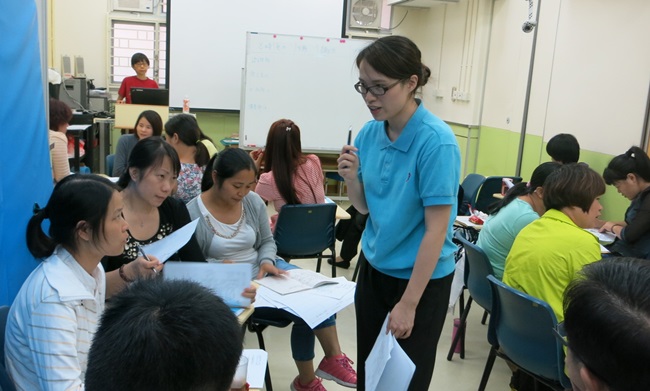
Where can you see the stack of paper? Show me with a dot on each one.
(329, 299)
(295, 280)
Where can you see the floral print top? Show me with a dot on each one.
(189, 181)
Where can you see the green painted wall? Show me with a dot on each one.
(497, 155)
(467, 138)
(484, 150)
(218, 125)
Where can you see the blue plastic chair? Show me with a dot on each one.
(485, 196)
(521, 330)
(5, 381)
(110, 160)
(306, 231)
(471, 185)
(477, 268)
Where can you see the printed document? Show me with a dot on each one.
(387, 366)
(295, 280)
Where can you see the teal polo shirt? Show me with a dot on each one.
(421, 168)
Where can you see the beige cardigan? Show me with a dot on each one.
(59, 155)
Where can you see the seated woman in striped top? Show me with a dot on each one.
(54, 317)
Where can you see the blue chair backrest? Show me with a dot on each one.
(490, 186)
(471, 184)
(523, 326)
(5, 382)
(305, 229)
(477, 268)
(110, 160)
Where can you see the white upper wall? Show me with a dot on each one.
(591, 72)
(79, 28)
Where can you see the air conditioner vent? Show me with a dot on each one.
(145, 6)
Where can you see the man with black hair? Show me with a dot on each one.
(607, 324)
(563, 148)
(165, 335)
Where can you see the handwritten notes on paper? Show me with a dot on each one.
(227, 280)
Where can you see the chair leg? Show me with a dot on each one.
(333, 251)
(488, 368)
(320, 258)
(461, 300)
(460, 333)
(356, 270)
(484, 319)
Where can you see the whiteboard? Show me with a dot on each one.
(207, 42)
(306, 79)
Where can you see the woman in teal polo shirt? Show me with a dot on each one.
(404, 169)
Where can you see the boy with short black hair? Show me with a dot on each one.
(563, 148)
(607, 324)
(165, 335)
(140, 64)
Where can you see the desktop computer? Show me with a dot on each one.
(74, 93)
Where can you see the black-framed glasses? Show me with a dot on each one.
(376, 90)
(560, 333)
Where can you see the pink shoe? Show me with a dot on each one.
(338, 368)
(315, 385)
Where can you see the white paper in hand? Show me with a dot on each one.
(167, 246)
(388, 367)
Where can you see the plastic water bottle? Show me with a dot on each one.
(186, 105)
(453, 335)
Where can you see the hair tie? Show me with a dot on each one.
(527, 184)
(288, 128)
(37, 209)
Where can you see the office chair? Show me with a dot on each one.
(485, 196)
(306, 231)
(6, 384)
(477, 268)
(521, 331)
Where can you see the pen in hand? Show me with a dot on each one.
(349, 141)
(145, 257)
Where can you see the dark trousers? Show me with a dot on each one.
(375, 296)
(349, 233)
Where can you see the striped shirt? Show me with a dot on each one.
(51, 324)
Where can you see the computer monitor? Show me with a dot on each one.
(150, 96)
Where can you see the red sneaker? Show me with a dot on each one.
(315, 385)
(339, 369)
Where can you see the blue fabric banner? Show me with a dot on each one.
(25, 173)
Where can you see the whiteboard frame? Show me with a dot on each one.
(306, 79)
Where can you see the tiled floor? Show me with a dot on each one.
(456, 375)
